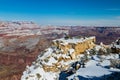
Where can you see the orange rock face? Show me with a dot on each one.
(79, 45)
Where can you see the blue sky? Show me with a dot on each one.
(62, 12)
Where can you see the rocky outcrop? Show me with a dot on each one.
(59, 57)
(79, 45)
(115, 46)
(69, 49)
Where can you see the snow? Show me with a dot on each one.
(95, 58)
(111, 56)
(73, 40)
(47, 53)
(51, 61)
(117, 46)
(33, 76)
(71, 51)
(95, 68)
(92, 70)
(97, 47)
(105, 63)
(114, 44)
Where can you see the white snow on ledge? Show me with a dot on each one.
(91, 70)
(73, 40)
(95, 69)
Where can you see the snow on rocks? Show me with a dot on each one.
(73, 40)
(94, 68)
(54, 62)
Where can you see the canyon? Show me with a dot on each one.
(21, 42)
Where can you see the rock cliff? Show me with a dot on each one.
(57, 58)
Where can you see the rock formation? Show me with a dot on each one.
(115, 46)
(58, 57)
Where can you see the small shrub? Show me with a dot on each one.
(38, 76)
(108, 51)
(26, 78)
(46, 60)
(93, 52)
(101, 52)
